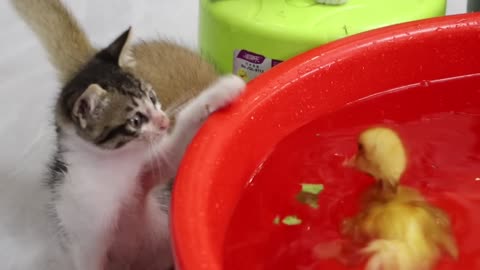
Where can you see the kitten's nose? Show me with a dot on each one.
(161, 121)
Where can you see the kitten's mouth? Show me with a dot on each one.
(163, 123)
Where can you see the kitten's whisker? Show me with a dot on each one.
(169, 164)
(155, 159)
(151, 165)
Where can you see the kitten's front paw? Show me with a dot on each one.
(226, 90)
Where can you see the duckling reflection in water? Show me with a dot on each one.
(396, 227)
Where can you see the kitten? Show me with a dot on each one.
(176, 73)
(110, 123)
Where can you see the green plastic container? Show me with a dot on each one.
(248, 37)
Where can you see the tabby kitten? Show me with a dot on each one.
(110, 125)
(177, 74)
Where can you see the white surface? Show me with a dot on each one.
(27, 82)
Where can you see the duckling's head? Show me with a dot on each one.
(381, 154)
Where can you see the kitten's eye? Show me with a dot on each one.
(153, 98)
(137, 120)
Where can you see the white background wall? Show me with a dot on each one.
(27, 83)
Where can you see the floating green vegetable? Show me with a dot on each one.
(308, 199)
(314, 189)
(309, 194)
(291, 220)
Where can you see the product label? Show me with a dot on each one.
(249, 65)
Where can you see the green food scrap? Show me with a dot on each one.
(314, 189)
(276, 220)
(291, 220)
(308, 199)
(309, 194)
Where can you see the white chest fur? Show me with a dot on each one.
(97, 185)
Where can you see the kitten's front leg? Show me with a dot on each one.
(189, 120)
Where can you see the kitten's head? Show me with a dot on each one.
(107, 106)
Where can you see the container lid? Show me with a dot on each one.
(304, 19)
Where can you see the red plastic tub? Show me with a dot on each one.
(229, 150)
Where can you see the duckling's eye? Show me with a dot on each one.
(360, 147)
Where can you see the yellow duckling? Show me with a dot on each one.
(382, 155)
(400, 230)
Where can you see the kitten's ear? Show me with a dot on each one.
(86, 104)
(120, 50)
